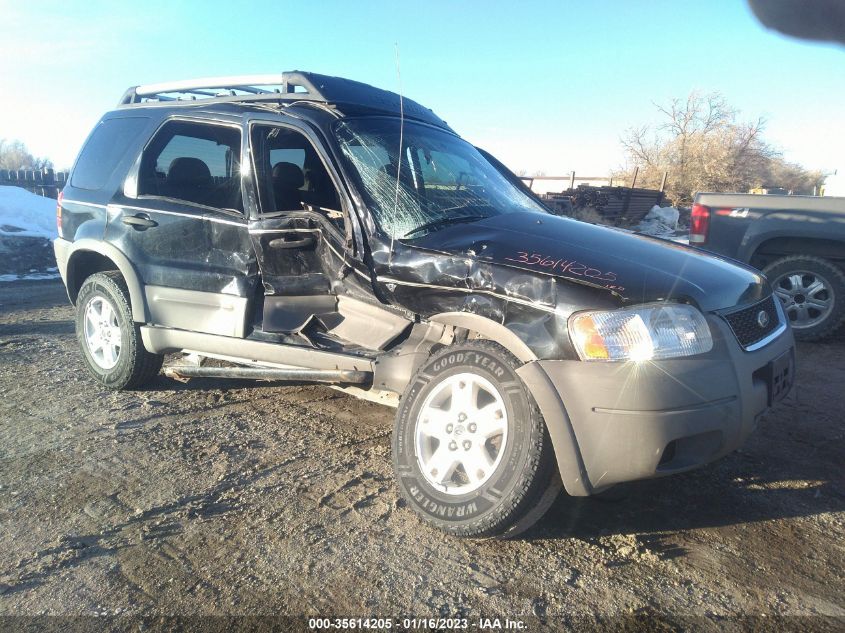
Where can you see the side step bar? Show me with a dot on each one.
(334, 376)
(161, 340)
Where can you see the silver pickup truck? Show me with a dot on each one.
(797, 241)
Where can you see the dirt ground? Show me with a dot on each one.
(258, 499)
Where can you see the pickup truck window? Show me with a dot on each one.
(441, 178)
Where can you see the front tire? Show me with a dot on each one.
(812, 293)
(470, 448)
(110, 340)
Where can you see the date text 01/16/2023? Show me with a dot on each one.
(411, 624)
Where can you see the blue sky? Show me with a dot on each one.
(545, 86)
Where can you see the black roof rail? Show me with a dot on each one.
(287, 86)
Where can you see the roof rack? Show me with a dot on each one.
(283, 85)
(287, 86)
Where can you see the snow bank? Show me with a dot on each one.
(660, 222)
(24, 214)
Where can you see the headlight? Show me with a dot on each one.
(645, 332)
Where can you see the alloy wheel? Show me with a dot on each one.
(461, 433)
(102, 332)
(807, 297)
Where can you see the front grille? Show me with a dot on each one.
(745, 323)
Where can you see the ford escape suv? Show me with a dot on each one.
(314, 229)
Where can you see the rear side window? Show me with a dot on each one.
(194, 162)
(216, 156)
(103, 151)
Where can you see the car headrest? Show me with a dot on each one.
(188, 171)
(288, 175)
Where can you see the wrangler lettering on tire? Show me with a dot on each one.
(470, 448)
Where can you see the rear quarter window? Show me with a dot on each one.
(103, 151)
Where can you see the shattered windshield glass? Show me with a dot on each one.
(442, 180)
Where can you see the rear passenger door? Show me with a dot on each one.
(180, 220)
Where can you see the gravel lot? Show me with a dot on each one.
(237, 498)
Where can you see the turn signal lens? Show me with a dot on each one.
(589, 339)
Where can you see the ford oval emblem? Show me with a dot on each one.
(762, 318)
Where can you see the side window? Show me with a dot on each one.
(106, 146)
(194, 162)
(291, 176)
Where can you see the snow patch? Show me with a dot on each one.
(25, 214)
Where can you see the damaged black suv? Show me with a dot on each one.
(310, 228)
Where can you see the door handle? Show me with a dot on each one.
(302, 242)
(139, 222)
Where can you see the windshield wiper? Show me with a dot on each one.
(458, 219)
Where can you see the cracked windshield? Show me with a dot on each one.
(442, 179)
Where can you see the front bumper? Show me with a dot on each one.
(636, 420)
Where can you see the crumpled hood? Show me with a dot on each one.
(635, 267)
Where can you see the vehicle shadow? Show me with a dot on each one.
(163, 383)
(745, 487)
(37, 328)
(687, 502)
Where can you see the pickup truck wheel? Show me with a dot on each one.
(812, 292)
(470, 448)
(110, 340)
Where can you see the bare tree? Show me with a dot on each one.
(704, 146)
(15, 155)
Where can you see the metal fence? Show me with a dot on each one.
(44, 182)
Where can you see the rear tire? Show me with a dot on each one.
(110, 340)
(470, 448)
(812, 293)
